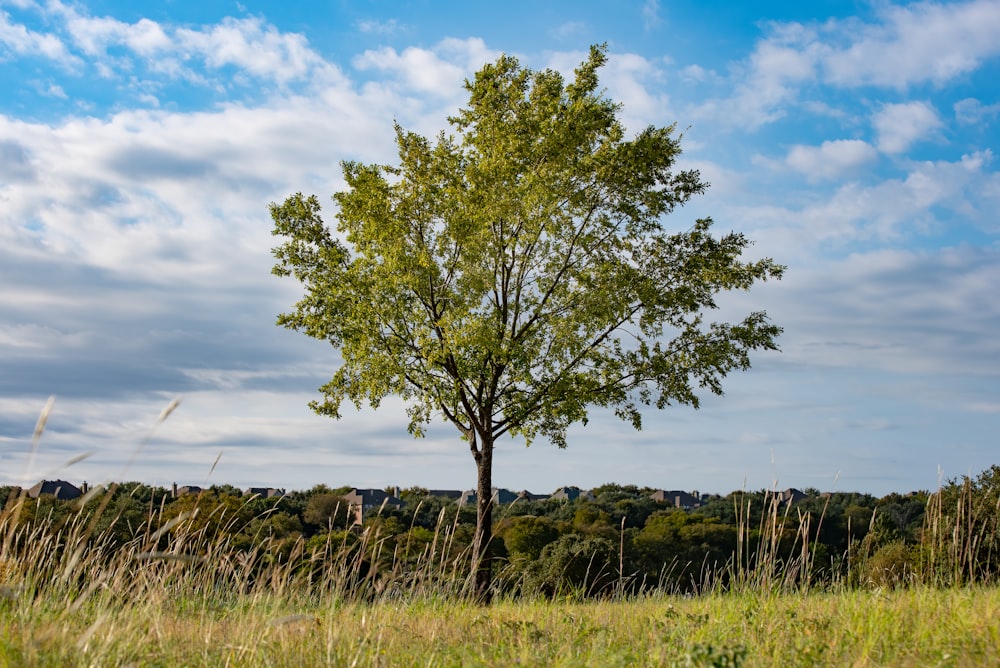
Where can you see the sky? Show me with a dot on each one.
(141, 143)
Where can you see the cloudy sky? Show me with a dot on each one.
(140, 144)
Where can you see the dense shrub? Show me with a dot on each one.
(572, 566)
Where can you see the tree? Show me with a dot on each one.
(574, 564)
(513, 274)
(526, 536)
(680, 551)
(327, 510)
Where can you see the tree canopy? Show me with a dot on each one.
(517, 271)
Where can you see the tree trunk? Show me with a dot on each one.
(482, 559)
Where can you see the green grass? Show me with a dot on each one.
(907, 627)
(180, 595)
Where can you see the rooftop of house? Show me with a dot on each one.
(369, 498)
(57, 488)
(265, 492)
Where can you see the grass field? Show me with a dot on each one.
(173, 597)
(913, 627)
(178, 597)
(174, 594)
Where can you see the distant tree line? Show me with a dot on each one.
(616, 538)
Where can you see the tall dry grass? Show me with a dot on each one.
(175, 592)
(959, 544)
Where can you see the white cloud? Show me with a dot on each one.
(373, 27)
(95, 35)
(439, 71)
(898, 126)
(914, 43)
(769, 80)
(117, 49)
(904, 45)
(901, 208)
(899, 311)
(568, 30)
(698, 73)
(651, 14)
(254, 46)
(25, 338)
(633, 81)
(419, 69)
(781, 58)
(831, 159)
(25, 42)
(933, 202)
(971, 111)
(820, 108)
(151, 193)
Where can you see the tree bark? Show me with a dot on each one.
(482, 559)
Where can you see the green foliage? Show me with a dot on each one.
(962, 536)
(427, 511)
(576, 548)
(327, 510)
(525, 537)
(574, 566)
(590, 519)
(681, 551)
(144, 494)
(120, 520)
(512, 274)
(892, 565)
(901, 515)
(714, 656)
(209, 512)
(8, 494)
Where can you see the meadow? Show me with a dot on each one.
(97, 626)
(180, 596)
(107, 580)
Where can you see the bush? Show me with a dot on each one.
(891, 566)
(575, 566)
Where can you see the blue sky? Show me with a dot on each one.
(140, 145)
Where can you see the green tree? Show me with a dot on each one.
(963, 527)
(574, 565)
(327, 510)
(517, 272)
(683, 551)
(526, 536)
